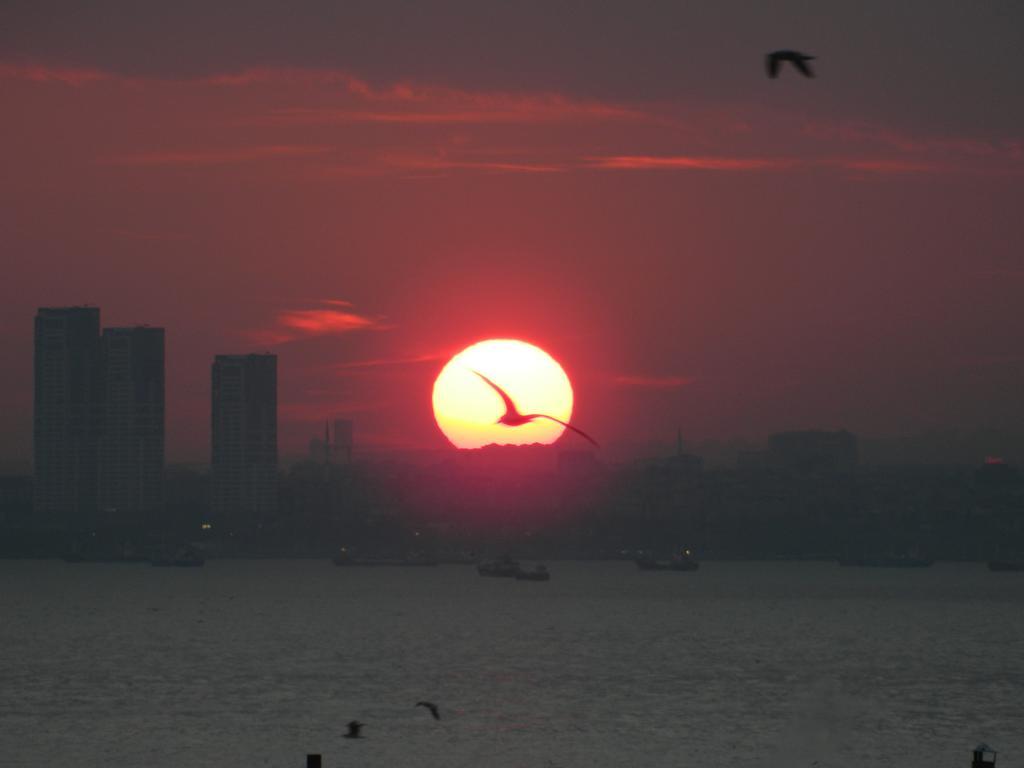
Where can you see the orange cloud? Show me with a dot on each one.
(653, 382)
(288, 115)
(688, 163)
(416, 104)
(454, 110)
(336, 318)
(414, 163)
(301, 76)
(382, 362)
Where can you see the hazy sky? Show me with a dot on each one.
(366, 188)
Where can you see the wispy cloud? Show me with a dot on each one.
(334, 318)
(851, 132)
(444, 163)
(425, 130)
(386, 362)
(425, 104)
(209, 157)
(688, 163)
(39, 73)
(890, 166)
(860, 164)
(479, 111)
(652, 382)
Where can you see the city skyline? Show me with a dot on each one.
(963, 446)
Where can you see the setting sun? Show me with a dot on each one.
(467, 408)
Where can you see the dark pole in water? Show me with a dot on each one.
(312, 761)
(984, 757)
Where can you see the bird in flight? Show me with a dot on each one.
(513, 418)
(799, 60)
(354, 728)
(432, 707)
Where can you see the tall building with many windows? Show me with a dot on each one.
(131, 455)
(244, 438)
(67, 415)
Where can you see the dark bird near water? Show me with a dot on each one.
(799, 60)
(432, 707)
(354, 728)
(513, 418)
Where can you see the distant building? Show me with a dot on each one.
(15, 499)
(341, 448)
(244, 438)
(336, 448)
(995, 471)
(131, 457)
(814, 450)
(749, 460)
(67, 415)
(805, 451)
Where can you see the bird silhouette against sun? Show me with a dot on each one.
(465, 409)
(513, 418)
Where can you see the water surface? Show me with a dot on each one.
(255, 663)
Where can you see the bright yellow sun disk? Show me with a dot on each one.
(467, 409)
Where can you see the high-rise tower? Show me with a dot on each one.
(67, 415)
(244, 438)
(131, 457)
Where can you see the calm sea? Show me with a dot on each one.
(256, 663)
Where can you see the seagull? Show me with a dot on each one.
(432, 707)
(799, 60)
(354, 727)
(513, 418)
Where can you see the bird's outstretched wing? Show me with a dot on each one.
(354, 727)
(432, 707)
(803, 66)
(771, 63)
(579, 432)
(510, 407)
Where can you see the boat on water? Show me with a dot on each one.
(539, 573)
(683, 560)
(886, 561)
(1006, 565)
(504, 567)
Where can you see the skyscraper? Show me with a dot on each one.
(131, 456)
(67, 415)
(244, 432)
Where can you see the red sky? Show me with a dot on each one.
(779, 254)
